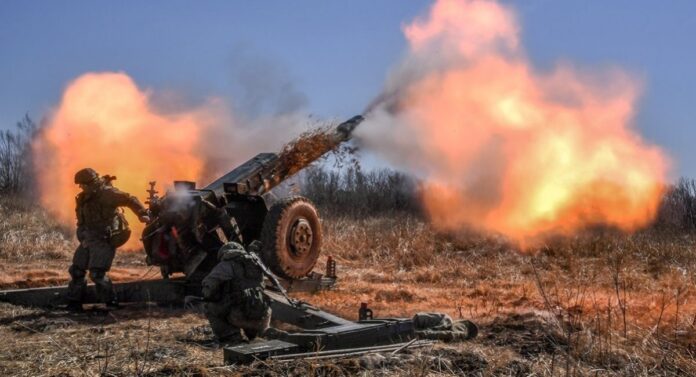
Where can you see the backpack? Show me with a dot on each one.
(254, 303)
(120, 232)
(246, 287)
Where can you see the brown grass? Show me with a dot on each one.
(600, 303)
(28, 233)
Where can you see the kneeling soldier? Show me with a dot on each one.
(234, 296)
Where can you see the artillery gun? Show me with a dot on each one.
(190, 225)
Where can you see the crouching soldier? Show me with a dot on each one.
(234, 296)
(439, 326)
(101, 228)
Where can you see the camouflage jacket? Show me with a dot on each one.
(98, 212)
(235, 272)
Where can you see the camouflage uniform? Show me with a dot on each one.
(439, 326)
(234, 296)
(101, 228)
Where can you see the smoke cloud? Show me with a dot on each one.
(504, 147)
(105, 121)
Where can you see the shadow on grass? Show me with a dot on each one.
(42, 320)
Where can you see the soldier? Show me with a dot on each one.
(234, 296)
(440, 326)
(208, 225)
(101, 227)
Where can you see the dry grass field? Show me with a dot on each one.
(598, 304)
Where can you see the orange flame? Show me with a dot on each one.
(508, 149)
(105, 122)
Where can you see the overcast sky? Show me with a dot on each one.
(330, 57)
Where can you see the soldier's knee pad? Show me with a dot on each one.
(76, 273)
(98, 276)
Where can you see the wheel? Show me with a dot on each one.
(291, 237)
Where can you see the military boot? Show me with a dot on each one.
(232, 340)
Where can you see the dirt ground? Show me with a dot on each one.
(600, 304)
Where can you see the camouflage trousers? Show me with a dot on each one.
(95, 255)
(227, 321)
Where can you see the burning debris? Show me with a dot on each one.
(305, 149)
(313, 144)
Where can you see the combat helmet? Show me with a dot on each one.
(86, 176)
(230, 248)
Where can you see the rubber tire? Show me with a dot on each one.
(275, 236)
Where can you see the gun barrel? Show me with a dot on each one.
(267, 170)
(345, 129)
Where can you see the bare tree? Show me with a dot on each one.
(354, 192)
(678, 207)
(15, 156)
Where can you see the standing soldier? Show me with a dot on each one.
(101, 228)
(234, 296)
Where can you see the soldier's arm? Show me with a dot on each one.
(119, 198)
(226, 223)
(80, 222)
(213, 283)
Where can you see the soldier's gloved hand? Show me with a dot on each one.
(144, 219)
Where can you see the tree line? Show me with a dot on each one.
(16, 158)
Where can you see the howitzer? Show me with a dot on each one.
(316, 329)
(189, 224)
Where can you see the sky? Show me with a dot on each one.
(329, 57)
